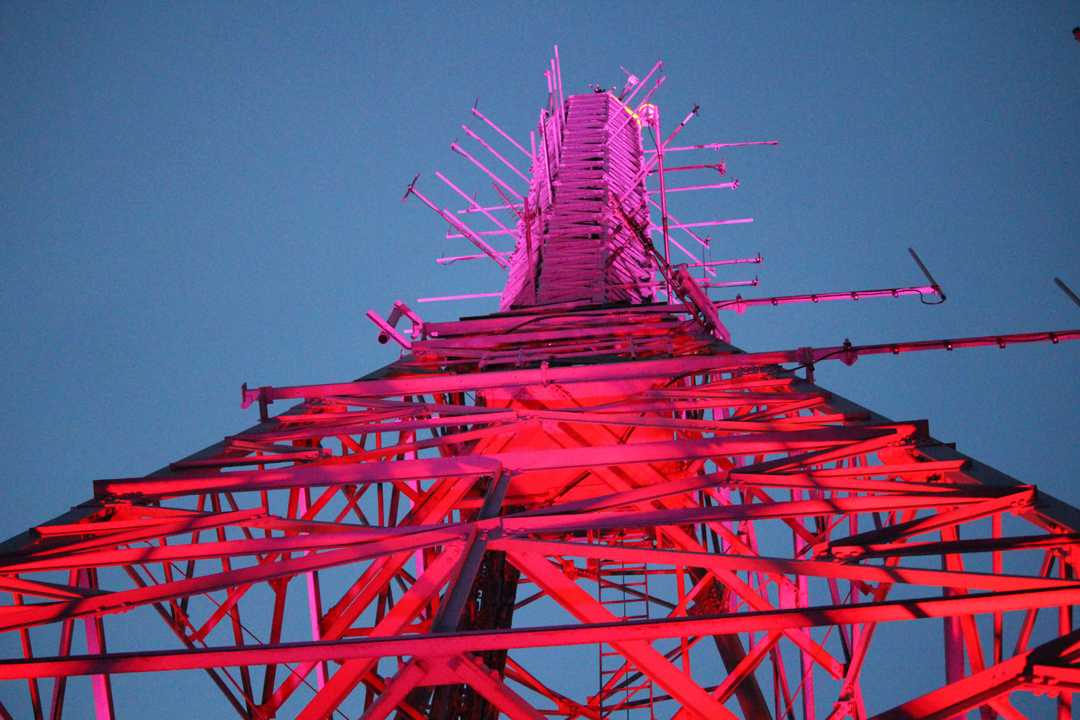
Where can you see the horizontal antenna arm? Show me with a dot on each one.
(740, 304)
(666, 367)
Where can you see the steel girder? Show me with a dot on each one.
(606, 470)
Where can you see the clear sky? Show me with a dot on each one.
(200, 194)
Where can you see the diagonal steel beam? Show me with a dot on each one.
(580, 604)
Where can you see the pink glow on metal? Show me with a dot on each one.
(711, 223)
(451, 259)
(734, 184)
(756, 260)
(578, 251)
(490, 208)
(485, 169)
(466, 296)
(501, 132)
(643, 369)
(498, 156)
(719, 146)
(461, 226)
(614, 456)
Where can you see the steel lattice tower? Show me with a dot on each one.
(594, 466)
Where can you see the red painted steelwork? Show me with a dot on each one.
(592, 466)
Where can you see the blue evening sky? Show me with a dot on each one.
(195, 195)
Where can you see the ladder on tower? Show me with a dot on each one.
(623, 589)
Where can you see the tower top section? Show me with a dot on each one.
(582, 237)
(586, 226)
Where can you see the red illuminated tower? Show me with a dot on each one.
(589, 504)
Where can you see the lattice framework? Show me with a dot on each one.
(726, 533)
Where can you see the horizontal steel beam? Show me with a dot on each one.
(552, 636)
(422, 384)
(337, 473)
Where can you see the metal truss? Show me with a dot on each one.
(595, 465)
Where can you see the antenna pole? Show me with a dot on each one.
(654, 127)
(1067, 290)
(929, 277)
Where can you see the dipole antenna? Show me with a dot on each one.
(929, 277)
(1067, 290)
